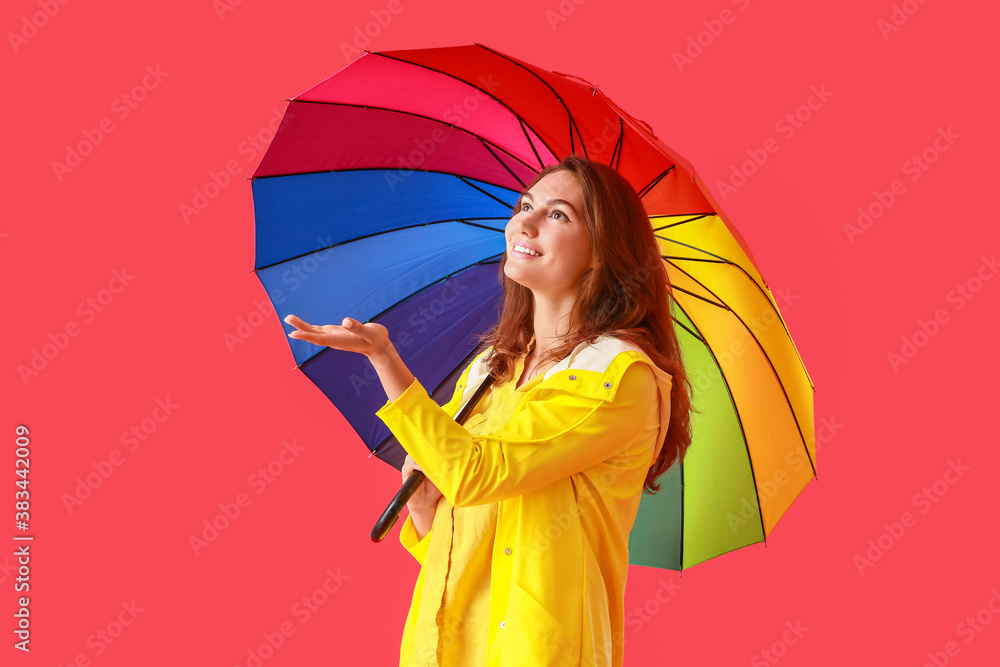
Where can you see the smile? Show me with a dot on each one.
(520, 249)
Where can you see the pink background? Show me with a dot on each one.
(892, 431)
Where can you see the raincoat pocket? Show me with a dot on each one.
(531, 635)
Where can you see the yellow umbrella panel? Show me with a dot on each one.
(753, 448)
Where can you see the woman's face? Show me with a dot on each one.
(550, 222)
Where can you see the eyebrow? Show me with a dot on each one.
(552, 202)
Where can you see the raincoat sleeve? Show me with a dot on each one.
(417, 546)
(571, 425)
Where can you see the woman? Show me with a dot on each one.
(522, 525)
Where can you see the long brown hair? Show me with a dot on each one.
(626, 295)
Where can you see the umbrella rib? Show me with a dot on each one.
(502, 163)
(750, 331)
(710, 254)
(488, 194)
(485, 92)
(572, 121)
(685, 327)
(719, 304)
(486, 227)
(697, 216)
(618, 144)
(694, 259)
(645, 191)
(464, 221)
(520, 121)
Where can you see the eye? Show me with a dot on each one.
(525, 206)
(559, 215)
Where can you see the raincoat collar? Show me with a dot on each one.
(598, 357)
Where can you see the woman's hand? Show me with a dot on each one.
(427, 494)
(371, 340)
(352, 336)
(423, 503)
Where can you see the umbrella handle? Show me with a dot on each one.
(417, 477)
(391, 513)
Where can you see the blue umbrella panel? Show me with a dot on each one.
(417, 252)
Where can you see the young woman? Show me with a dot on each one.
(522, 525)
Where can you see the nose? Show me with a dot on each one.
(524, 223)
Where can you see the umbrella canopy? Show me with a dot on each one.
(384, 195)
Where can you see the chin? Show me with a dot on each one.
(515, 278)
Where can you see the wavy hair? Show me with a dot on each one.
(626, 295)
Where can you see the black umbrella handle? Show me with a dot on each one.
(417, 477)
(391, 513)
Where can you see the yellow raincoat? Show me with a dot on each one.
(526, 560)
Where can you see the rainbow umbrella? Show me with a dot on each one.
(384, 195)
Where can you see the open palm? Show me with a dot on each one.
(350, 336)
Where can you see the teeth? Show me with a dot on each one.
(528, 251)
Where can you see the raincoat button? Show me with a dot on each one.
(607, 385)
(503, 623)
(508, 551)
(572, 377)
